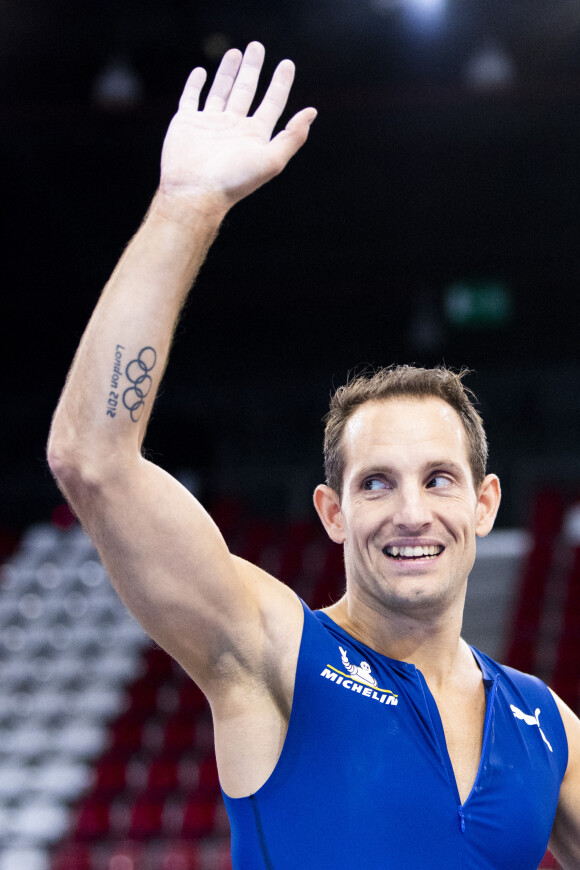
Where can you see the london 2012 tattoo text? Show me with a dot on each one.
(113, 399)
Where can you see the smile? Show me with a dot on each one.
(429, 552)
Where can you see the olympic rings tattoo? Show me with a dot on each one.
(137, 373)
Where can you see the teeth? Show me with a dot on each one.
(413, 552)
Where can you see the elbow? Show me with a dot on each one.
(78, 470)
(86, 473)
(87, 470)
(59, 455)
(72, 471)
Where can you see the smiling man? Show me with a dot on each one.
(369, 734)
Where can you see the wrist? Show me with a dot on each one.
(188, 210)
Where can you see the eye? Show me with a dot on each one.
(439, 481)
(373, 484)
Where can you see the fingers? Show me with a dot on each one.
(236, 80)
(245, 85)
(224, 81)
(190, 96)
(234, 88)
(276, 97)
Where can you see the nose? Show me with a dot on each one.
(412, 512)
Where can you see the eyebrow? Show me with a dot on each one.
(388, 470)
(445, 464)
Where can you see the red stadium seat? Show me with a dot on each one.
(92, 821)
(72, 856)
(162, 776)
(125, 855)
(145, 819)
(191, 698)
(217, 855)
(111, 776)
(331, 581)
(566, 676)
(179, 735)
(126, 735)
(208, 782)
(159, 665)
(529, 606)
(142, 697)
(223, 858)
(180, 856)
(198, 817)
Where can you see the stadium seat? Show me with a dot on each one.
(180, 856)
(162, 776)
(191, 698)
(179, 735)
(23, 858)
(110, 777)
(72, 856)
(145, 819)
(208, 782)
(92, 821)
(198, 817)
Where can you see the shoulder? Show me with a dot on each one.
(516, 681)
(528, 696)
(571, 724)
(565, 840)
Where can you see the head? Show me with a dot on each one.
(407, 490)
(402, 382)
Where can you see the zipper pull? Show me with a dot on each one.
(461, 819)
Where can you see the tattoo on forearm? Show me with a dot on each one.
(113, 399)
(137, 373)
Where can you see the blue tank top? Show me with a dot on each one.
(364, 779)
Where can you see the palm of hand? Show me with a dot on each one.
(220, 152)
(222, 155)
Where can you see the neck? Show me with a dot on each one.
(431, 642)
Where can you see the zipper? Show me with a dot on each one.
(486, 730)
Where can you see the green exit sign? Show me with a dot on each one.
(478, 304)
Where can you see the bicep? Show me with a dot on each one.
(171, 566)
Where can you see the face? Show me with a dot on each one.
(409, 513)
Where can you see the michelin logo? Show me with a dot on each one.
(359, 678)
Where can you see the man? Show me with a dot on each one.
(368, 735)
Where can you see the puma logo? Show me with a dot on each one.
(531, 720)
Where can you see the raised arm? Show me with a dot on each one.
(165, 556)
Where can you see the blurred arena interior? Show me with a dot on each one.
(434, 216)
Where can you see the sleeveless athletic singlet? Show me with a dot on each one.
(364, 780)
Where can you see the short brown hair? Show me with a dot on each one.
(399, 381)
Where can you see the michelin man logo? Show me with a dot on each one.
(359, 680)
(362, 672)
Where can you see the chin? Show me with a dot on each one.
(417, 600)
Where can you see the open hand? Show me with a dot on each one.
(219, 154)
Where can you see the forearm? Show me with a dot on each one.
(103, 411)
(211, 159)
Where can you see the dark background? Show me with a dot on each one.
(419, 172)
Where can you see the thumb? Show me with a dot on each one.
(294, 135)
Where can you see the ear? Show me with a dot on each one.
(488, 499)
(327, 504)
